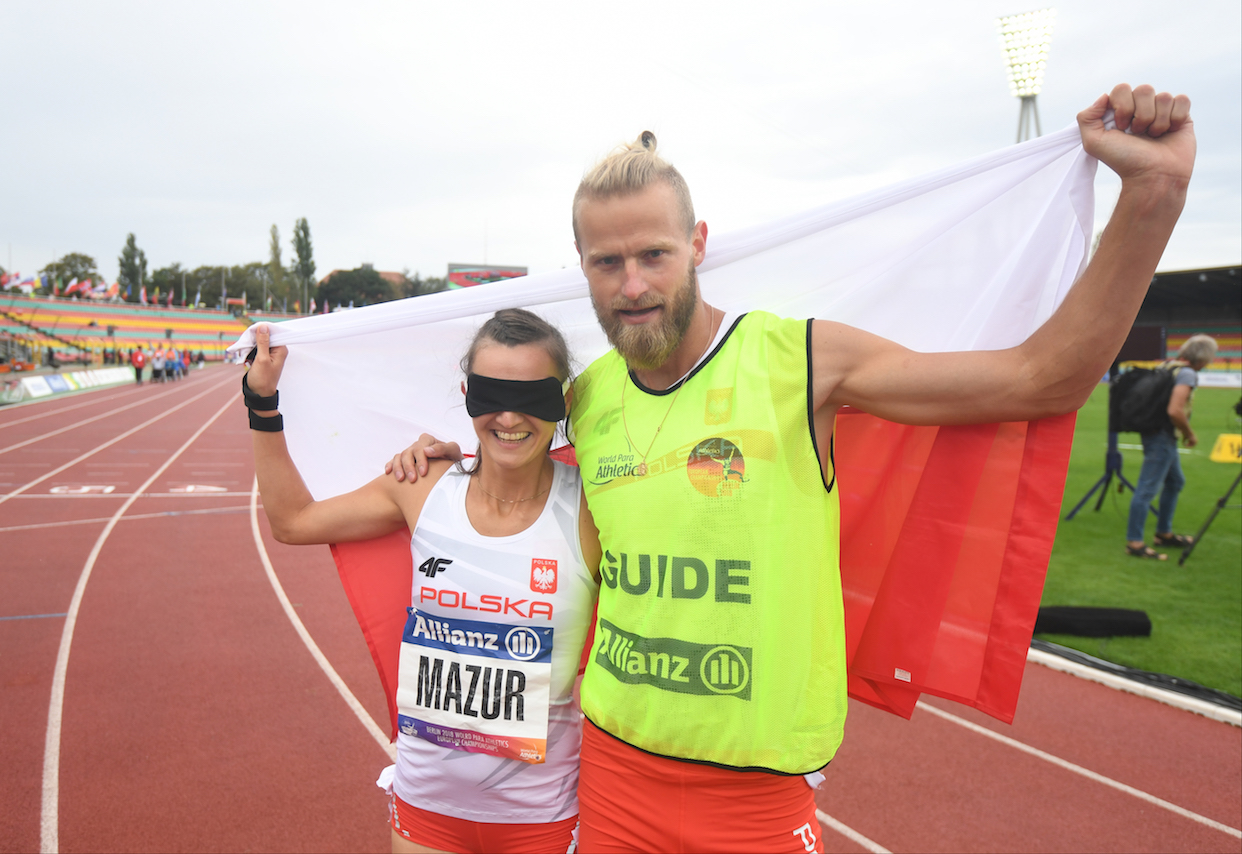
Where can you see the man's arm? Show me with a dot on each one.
(1054, 370)
(1178, 401)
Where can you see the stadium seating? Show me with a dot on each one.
(82, 325)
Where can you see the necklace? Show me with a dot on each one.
(641, 469)
(513, 500)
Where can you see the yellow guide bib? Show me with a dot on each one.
(721, 633)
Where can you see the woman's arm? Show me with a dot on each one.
(367, 512)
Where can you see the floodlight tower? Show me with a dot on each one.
(1025, 39)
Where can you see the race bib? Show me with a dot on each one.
(479, 687)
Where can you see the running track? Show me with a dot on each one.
(158, 696)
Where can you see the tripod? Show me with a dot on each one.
(1220, 505)
(1112, 466)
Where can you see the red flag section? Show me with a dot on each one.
(945, 539)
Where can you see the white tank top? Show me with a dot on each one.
(535, 578)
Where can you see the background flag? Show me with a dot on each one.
(946, 532)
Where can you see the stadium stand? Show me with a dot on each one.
(87, 328)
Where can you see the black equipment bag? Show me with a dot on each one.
(1138, 400)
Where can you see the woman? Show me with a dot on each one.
(487, 755)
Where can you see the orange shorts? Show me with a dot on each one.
(630, 800)
(446, 833)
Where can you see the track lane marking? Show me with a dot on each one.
(1084, 772)
(322, 660)
(113, 441)
(84, 393)
(32, 616)
(239, 509)
(200, 495)
(850, 833)
(1141, 689)
(85, 421)
(126, 393)
(49, 822)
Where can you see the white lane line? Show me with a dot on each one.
(1132, 686)
(115, 495)
(111, 442)
(89, 402)
(322, 660)
(1078, 769)
(850, 833)
(209, 510)
(49, 824)
(84, 422)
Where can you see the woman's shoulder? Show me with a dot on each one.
(411, 496)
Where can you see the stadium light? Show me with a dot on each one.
(1025, 39)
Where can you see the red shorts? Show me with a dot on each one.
(629, 800)
(446, 833)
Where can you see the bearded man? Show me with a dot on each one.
(717, 676)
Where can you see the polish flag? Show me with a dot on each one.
(946, 531)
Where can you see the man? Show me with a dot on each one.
(717, 677)
(139, 360)
(1162, 471)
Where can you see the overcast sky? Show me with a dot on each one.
(411, 136)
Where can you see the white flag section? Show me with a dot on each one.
(973, 257)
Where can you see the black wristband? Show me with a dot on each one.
(255, 401)
(267, 424)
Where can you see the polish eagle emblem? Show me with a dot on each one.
(543, 575)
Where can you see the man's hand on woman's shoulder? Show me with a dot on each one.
(411, 463)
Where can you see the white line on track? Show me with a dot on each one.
(322, 660)
(49, 825)
(1133, 686)
(209, 510)
(88, 402)
(115, 495)
(113, 441)
(850, 833)
(85, 421)
(1078, 769)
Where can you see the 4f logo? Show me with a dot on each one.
(543, 575)
(432, 565)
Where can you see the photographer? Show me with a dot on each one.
(1161, 467)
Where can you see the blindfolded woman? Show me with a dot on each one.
(487, 753)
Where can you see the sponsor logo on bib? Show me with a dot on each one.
(475, 686)
(674, 665)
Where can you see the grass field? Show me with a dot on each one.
(1195, 610)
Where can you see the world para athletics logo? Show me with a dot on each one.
(716, 468)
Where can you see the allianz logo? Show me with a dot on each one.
(673, 665)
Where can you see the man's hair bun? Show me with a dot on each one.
(647, 140)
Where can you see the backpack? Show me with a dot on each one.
(1138, 400)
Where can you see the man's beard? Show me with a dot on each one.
(647, 346)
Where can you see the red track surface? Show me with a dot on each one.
(194, 717)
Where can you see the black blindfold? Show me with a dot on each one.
(542, 399)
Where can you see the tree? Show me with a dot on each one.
(169, 279)
(275, 268)
(417, 286)
(304, 267)
(75, 265)
(362, 286)
(133, 268)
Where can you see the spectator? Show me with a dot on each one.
(139, 360)
(1162, 471)
(157, 365)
